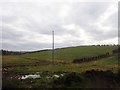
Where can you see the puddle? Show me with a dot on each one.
(55, 76)
(62, 74)
(37, 75)
(30, 76)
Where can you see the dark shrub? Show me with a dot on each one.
(69, 80)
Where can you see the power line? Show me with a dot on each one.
(53, 46)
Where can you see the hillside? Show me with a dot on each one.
(63, 54)
(14, 67)
(70, 53)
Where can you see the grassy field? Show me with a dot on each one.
(103, 64)
(42, 62)
(65, 54)
(68, 54)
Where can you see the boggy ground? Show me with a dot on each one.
(93, 74)
(88, 79)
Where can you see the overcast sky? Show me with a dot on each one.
(29, 25)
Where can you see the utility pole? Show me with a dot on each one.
(53, 46)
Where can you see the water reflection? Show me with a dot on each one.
(30, 76)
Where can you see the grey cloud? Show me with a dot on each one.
(82, 13)
(42, 18)
(9, 34)
(69, 43)
(25, 46)
(105, 36)
(113, 20)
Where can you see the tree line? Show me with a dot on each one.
(6, 52)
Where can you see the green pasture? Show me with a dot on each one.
(64, 54)
(62, 64)
(110, 63)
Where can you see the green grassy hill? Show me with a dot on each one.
(64, 54)
(70, 53)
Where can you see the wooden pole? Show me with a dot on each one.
(53, 46)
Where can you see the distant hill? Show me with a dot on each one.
(70, 53)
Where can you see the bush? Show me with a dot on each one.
(70, 80)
